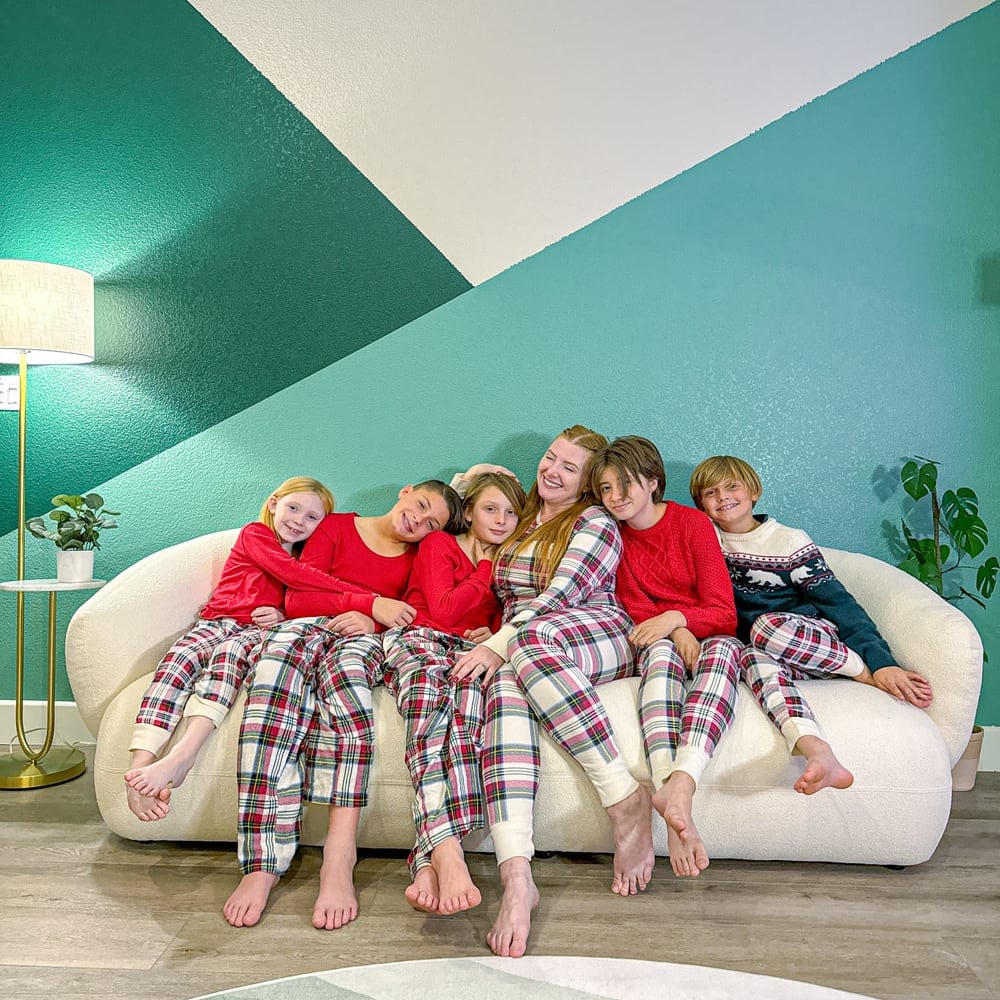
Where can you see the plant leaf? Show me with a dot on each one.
(969, 534)
(918, 480)
(94, 501)
(986, 577)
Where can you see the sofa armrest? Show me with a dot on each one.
(925, 634)
(122, 632)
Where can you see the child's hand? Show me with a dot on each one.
(906, 685)
(658, 627)
(391, 613)
(351, 624)
(480, 551)
(266, 617)
(477, 635)
(688, 646)
(477, 662)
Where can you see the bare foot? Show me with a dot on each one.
(422, 892)
(509, 935)
(823, 770)
(458, 891)
(633, 827)
(688, 857)
(245, 906)
(148, 808)
(168, 772)
(336, 905)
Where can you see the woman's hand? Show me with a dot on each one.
(392, 613)
(351, 624)
(266, 617)
(478, 662)
(483, 467)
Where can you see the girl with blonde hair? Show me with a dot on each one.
(202, 672)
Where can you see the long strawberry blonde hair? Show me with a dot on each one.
(551, 539)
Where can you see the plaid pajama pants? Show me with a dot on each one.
(684, 718)
(210, 662)
(556, 660)
(785, 648)
(310, 698)
(444, 735)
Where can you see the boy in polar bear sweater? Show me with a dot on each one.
(797, 619)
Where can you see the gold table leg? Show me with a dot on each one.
(36, 768)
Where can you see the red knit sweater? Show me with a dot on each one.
(677, 565)
(448, 592)
(256, 573)
(336, 548)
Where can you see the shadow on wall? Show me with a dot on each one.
(988, 279)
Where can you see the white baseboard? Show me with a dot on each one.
(71, 730)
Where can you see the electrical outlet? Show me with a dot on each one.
(9, 392)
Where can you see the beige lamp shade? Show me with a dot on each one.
(46, 313)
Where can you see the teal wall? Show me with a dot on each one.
(816, 299)
(234, 249)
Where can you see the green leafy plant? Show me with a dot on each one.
(79, 526)
(958, 538)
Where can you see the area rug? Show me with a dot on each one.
(535, 977)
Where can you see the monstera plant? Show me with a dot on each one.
(957, 541)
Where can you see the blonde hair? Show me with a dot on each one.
(551, 539)
(297, 484)
(719, 468)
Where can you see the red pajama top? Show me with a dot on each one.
(335, 547)
(256, 573)
(677, 565)
(449, 593)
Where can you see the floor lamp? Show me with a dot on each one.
(46, 318)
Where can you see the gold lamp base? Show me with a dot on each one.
(59, 764)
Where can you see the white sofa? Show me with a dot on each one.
(745, 807)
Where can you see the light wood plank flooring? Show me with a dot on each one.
(84, 914)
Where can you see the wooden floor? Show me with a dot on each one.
(84, 914)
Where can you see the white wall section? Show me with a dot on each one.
(499, 128)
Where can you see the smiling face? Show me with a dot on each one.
(296, 516)
(493, 517)
(561, 474)
(417, 513)
(729, 503)
(631, 500)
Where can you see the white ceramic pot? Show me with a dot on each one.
(74, 565)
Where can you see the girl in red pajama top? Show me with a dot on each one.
(201, 673)
(450, 589)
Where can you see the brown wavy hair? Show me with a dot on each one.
(551, 539)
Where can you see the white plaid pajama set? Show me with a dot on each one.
(568, 637)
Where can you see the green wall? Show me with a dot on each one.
(815, 298)
(234, 249)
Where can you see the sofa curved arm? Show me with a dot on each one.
(122, 632)
(925, 634)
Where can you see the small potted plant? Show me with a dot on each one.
(956, 543)
(77, 525)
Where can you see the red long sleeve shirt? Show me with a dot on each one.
(256, 573)
(335, 547)
(449, 593)
(677, 565)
